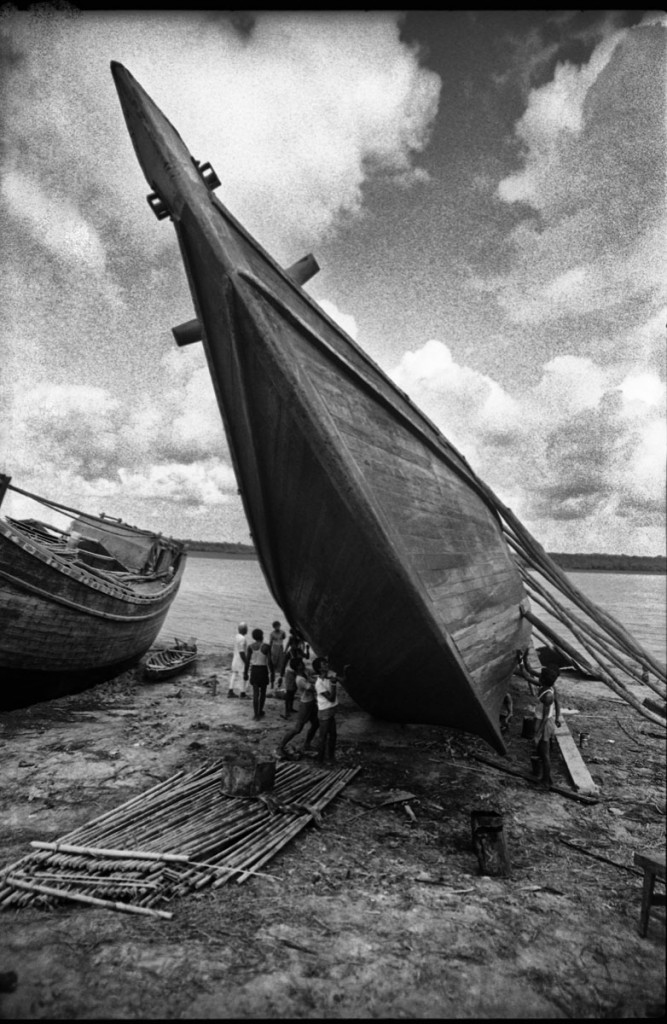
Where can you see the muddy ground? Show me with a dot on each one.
(372, 915)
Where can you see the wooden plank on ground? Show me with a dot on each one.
(579, 773)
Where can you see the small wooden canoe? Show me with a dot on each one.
(170, 662)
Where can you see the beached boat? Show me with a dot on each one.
(375, 536)
(78, 605)
(170, 662)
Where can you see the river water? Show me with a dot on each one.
(217, 593)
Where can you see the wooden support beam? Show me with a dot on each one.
(4, 484)
(579, 773)
(653, 863)
(653, 705)
(570, 794)
(300, 272)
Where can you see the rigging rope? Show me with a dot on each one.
(57, 507)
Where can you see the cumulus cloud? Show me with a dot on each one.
(579, 453)
(53, 221)
(553, 119)
(202, 484)
(344, 320)
(300, 109)
(74, 443)
(593, 144)
(296, 112)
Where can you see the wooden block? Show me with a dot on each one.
(490, 844)
(581, 777)
(653, 864)
(652, 861)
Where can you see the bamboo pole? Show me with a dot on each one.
(97, 852)
(528, 575)
(544, 604)
(566, 614)
(551, 637)
(343, 778)
(601, 648)
(605, 670)
(622, 641)
(93, 879)
(250, 833)
(151, 815)
(566, 586)
(64, 894)
(115, 810)
(618, 688)
(160, 830)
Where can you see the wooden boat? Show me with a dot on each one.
(170, 661)
(80, 605)
(375, 536)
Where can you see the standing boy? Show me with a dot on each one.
(257, 670)
(326, 693)
(550, 720)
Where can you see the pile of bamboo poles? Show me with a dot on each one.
(612, 654)
(176, 838)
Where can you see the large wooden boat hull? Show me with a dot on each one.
(61, 628)
(374, 535)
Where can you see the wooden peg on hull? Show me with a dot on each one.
(303, 269)
(300, 272)
(158, 207)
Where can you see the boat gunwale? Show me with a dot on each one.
(83, 577)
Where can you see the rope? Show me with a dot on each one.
(57, 507)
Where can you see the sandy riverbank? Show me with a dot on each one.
(355, 924)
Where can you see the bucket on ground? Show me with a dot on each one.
(528, 727)
(489, 843)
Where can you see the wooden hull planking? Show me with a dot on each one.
(57, 620)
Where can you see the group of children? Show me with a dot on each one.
(259, 663)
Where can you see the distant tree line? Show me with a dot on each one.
(611, 563)
(223, 547)
(575, 563)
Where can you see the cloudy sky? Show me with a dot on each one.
(485, 195)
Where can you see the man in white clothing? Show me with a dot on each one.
(238, 662)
